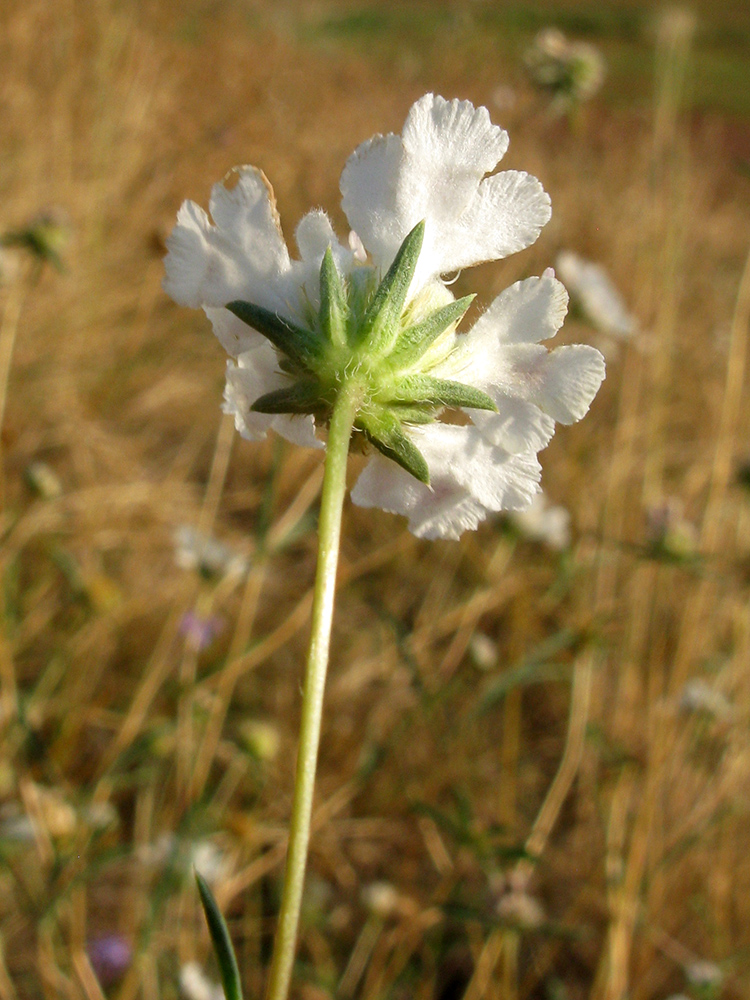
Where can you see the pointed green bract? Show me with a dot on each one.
(301, 345)
(305, 396)
(415, 340)
(384, 431)
(414, 413)
(333, 305)
(441, 392)
(380, 325)
(230, 973)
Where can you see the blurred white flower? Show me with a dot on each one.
(697, 696)
(504, 98)
(381, 899)
(591, 287)
(43, 479)
(670, 534)
(422, 206)
(209, 860)
(702, 973)
(169, 851)
(197, 551)
(544, 522)
(571, 71)
(483, 651)
(195, 984)
(520, 909)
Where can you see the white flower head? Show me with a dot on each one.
(195, 984)
(592, 288)
(373, 313)
(571, 71)
(205, 554)
(698, 696)
(544, 522)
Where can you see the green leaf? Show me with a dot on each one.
(304, 396)
(441, 392)
(384, 431)
(333, 306)
(230, 973)
(299, 344)
(413, 342)
(381, 321)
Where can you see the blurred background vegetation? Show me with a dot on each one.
(536, 757)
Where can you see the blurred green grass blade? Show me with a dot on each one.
(230, 973)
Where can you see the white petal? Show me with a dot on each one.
(435, 173)
(369, 193)
(468, 478)
(314, 236)
(572, 378)
(518, 425)
(255, 374)
(526, 312)
(234, 336)
(506, 214)
(530, 386)
(199, 267)
(456, 142)
(444, 512)
(243, 256)
(247, 215)
(599, 299)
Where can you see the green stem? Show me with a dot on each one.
(329, 532)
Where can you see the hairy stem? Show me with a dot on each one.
(329, 531)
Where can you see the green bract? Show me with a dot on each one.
(367, 336)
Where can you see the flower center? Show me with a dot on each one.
(368, 339)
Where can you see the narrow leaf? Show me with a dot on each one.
(413, 342)
(381, 321)
(441, 392)
(385, 433)
(302, 397)
(299, 344)
(230, 973)
(333, 308)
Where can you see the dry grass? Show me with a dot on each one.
(436, 776)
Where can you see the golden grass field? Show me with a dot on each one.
(569, 771)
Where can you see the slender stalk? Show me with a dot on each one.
(329, 532)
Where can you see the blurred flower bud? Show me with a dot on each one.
(200, 631)
(670, 535)
(518, 908)
(110, 957)
(483, 651)
(381, 899)
(260, 738)
(43, 479)
(46, 236)
(571, 71)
